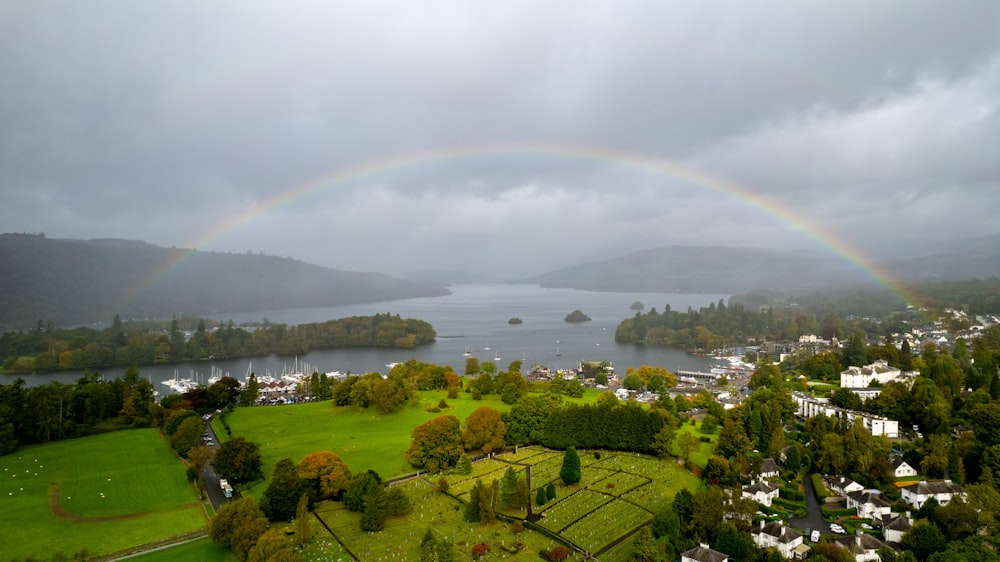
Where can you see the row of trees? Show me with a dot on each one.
(55, 410)
(45, 348)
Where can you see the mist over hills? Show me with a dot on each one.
(70, 282)
(83, 281)
(687, 269)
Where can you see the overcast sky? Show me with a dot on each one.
(171, 121)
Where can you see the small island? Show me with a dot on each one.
(577, 316)
(637, 305)
(515, 320)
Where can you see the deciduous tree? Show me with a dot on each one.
(237, 460)
(436, 445)
(484, 431)
(238, 525)
(327, 473)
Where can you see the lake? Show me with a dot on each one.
(474, 318)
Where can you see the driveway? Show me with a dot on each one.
(814, 511)
(215, 494)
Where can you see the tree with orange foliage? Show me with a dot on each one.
(326, 472)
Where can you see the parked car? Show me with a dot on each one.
(814, 537)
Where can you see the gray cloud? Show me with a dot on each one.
(162, 121)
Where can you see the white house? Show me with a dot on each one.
(868, 504)
(810, 406)
(901, 469)
(761, 492)
(776, 535)
(879, 371)
(702, 553)
(768, 468)
(844, 485)
(863, 547)
(917, 494)
(895, 526)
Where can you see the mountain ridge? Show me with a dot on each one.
(723, 269)
(67, 281)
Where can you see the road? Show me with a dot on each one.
(814, 511)
(215, 494)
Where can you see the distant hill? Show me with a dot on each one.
(82, 281)
(689, 269)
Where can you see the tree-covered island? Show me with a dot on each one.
(46, 348)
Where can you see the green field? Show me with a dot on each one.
(364, 439)
(705, 450)
(202, 550)
(116, 491)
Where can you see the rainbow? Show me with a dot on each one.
(678, 171)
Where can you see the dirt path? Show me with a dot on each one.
(58, 510)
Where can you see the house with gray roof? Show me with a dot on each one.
(769, 468)
(943, 492)
(868, 504)
(894, 526)
(761, 492)
(902, 469)
(702, 553)
(777, 536)
(863, 547)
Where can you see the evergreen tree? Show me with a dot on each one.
(508, 490)
(283, 492)
(360, 489)
(303, 530)
(472, 508)
(550, 491)
(570, 472)
(464, 465)
(541, 497)
(436, 549)
(488, 503)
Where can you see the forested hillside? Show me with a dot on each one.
(83, 281)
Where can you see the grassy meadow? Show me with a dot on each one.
(705, 450)
(116, 491)
(202, 550)
(364, 439)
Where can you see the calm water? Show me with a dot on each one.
(473, 318)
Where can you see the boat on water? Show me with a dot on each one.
(467, 352)
(180, 385)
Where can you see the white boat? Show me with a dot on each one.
(467, 352)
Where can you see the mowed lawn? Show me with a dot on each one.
(705, 450)
(202, 550)
(364, 439)
(130, 477)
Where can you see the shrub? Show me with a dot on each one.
(819, 486)
(480, 549)
(558, 553)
